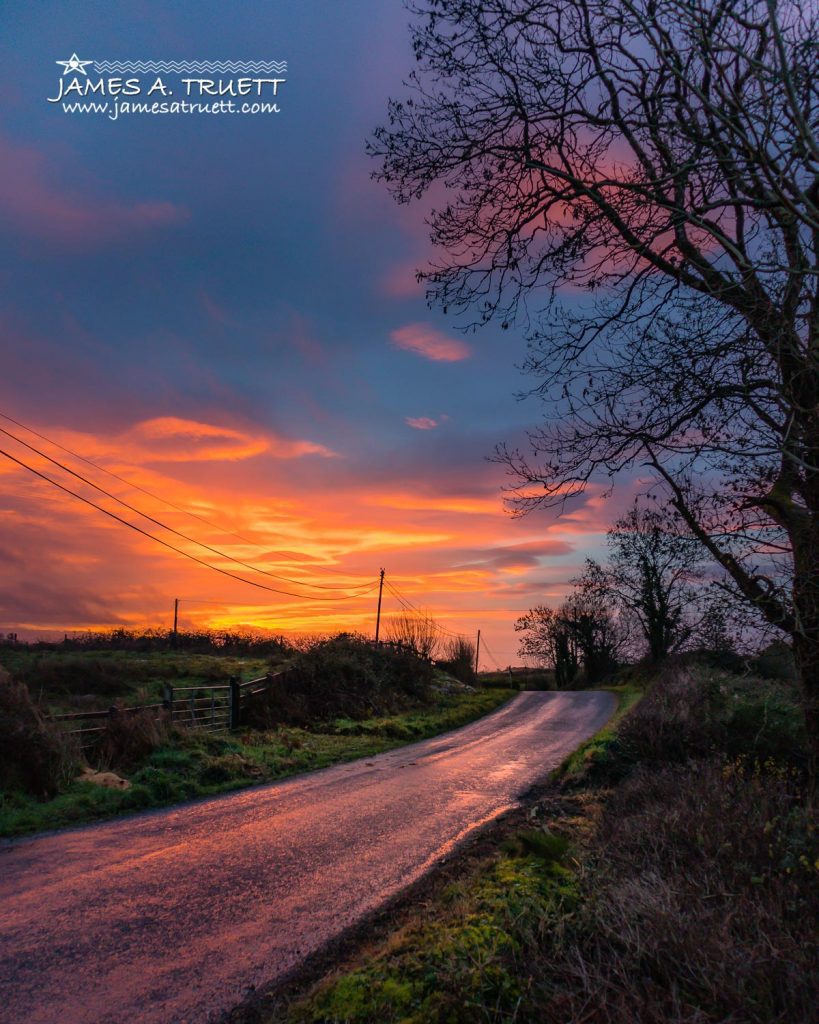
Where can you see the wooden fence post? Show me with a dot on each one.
(167, 697)
(235, 703)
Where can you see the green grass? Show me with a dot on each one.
(453, 965)
(596, 751)
(93, 679)
(205, 764)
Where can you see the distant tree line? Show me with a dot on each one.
(650, 598)
(155, 640)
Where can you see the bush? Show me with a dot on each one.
(697, 712)
(343, 677)
(154, 640)
(34, 756)
(775, 662)
(75, 675)
(459, 660)
(700, 887)
(701, 902)
(129, 737)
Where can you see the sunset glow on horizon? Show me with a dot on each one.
(224, 314)
(448, 547)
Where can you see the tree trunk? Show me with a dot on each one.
(806, 656)
(806, 637)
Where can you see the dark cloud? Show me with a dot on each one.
(48, 605)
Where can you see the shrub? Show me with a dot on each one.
(775, 662)
(671, 722)
(153, 640)
(459, 660)
(74, 675)
(697, 712)
(701, 902)
(34, 756)
(345, 676)
(129, 737)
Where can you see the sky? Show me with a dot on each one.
(222, 311)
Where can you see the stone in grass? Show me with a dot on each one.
(110, 780)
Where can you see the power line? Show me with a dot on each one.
(409, 606)
(170, 529)
(158, 497)
(488, 650)
(123, 480)
(171, 547)
(362, 588)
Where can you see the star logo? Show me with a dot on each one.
(74, 64)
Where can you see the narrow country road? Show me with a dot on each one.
(170, 916)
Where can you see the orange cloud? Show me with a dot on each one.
(445, 541)
(421, 422)
(406, 501)
(172, 439)
(426, 340)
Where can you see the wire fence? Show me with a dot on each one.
(208, 708)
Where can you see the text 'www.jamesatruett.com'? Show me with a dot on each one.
(183, 87)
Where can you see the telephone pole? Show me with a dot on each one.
(477, 652)
(175, 617)
(378, 616)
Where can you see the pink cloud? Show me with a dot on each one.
(426, 340)
(421, 422)
(401, 281)
(34, 205)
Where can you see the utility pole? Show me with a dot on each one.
(175, 617)
(477, 652)
(378, 616)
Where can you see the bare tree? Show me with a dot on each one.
(661, 157)
(593, 619)
(655, 573)
(583, 631)
(548, 641)
(458, 658)
(418, 631)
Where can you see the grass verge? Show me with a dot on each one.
(669, 877)
(195, 765)
(597, 750)
(90, 680)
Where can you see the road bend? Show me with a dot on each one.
(170, 916)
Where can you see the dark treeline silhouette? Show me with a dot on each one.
(155, 640)
(649, 599)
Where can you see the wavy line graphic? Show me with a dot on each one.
(177, 66)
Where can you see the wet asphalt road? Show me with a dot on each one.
(170, 916)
